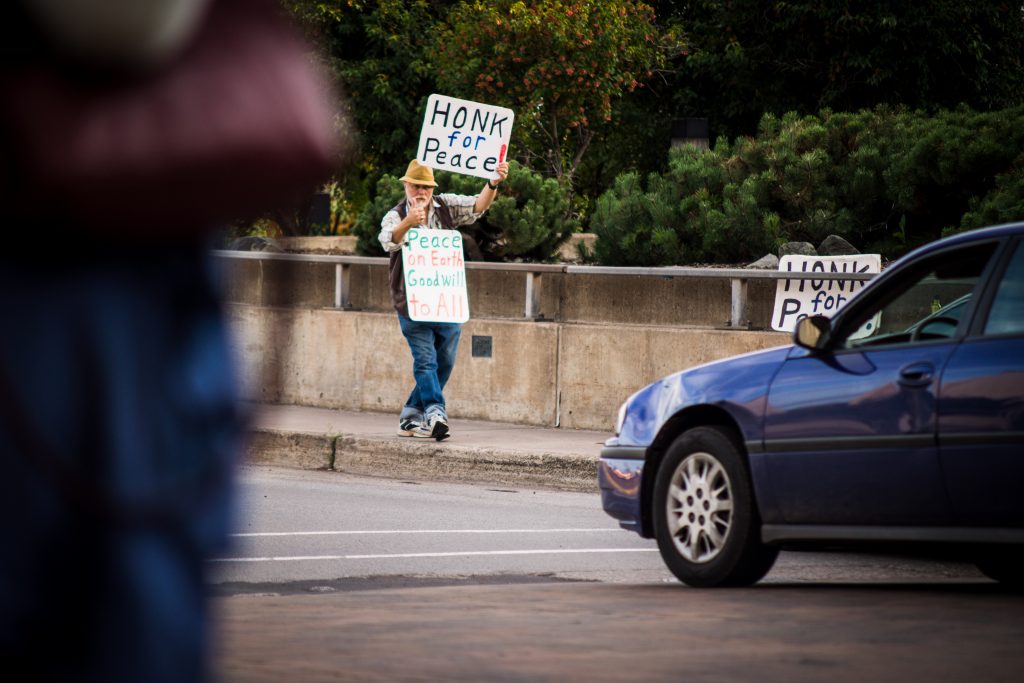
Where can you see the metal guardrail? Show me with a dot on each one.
(534, 272)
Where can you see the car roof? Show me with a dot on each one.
(971, 236)
(980, 234)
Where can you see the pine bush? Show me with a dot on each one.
(885, 179)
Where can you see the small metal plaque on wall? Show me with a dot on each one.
(481, 346)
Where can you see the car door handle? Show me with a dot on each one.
(916, 374)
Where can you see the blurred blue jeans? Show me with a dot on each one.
(433, 347)
(118, 431)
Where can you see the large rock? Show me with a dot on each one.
(834, 245)
(570, 252)
(766, 262)
(797, 249)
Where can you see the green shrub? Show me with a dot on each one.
(706, 208)
(387, 193)
(944, 168)
(886, 180)
(626, 232)
(1004, 204)
(532, 215)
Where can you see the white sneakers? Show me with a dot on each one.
(408, 426)
(436, 427)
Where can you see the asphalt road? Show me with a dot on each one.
(296, 525)
(300, 529)
(380, 580)
(770, 633)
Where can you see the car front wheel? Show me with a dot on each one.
(706, 519)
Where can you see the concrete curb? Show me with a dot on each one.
(407, 458)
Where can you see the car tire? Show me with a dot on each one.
(705, 516)
(1005, 565)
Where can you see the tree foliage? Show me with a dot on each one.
(749, 57)
(1002, 205)
(568, 70)
(379, 54)
(559, 64)
(532, 216)
(885, 179)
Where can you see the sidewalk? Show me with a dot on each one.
(367, 443)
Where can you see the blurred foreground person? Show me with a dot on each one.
(127, 134)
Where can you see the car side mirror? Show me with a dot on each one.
(810, 331)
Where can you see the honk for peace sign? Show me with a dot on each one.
(435, 276)
(464, 137)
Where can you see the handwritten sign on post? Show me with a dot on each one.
(435, 276)
(464, 137)
(796, 299)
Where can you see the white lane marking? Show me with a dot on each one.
(471, 553)
(420, 531)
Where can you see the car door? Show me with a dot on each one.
(981, 408)
(850, 433)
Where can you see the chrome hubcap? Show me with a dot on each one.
(699, 507)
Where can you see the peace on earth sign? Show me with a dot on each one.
(435, 276)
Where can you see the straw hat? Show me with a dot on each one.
(418, 174)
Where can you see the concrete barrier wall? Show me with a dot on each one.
(635, 300)
(601, 365)
(571, 375)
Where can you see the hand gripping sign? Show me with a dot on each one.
(435, 275)
(464, 137)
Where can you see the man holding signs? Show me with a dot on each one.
(433, 344)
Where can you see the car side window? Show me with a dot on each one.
(1007, 313)
(927, 304)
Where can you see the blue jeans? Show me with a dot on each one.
(132, 490)
(433, 347)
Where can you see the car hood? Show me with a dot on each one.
(737, 385)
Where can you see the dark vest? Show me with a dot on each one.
(396, 269)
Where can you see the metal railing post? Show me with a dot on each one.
(342, 285)
(533, 289)
(738, 303)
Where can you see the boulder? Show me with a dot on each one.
(578, 243)
(797, 249)
(834, 245)
(766, 262)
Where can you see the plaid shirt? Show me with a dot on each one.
(460, 206)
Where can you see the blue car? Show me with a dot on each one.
(898, 421)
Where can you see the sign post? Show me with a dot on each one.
(464, 137)
(435, 276)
